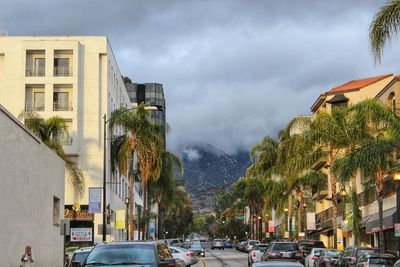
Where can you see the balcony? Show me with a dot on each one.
(35, 72)
(34, 107)
(62, 71)
(62, 106)
(35, 63)
(63, 63)
(66, 140)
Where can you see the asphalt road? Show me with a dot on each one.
(223, 258)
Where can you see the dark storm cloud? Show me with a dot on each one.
(233, 71)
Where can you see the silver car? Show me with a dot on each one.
(278, 264)
(255, 254)
(186, 255)
(249, 246)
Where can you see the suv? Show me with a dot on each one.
(249, 246)
(80, 255)
(351, 255)
(282, 251)
(376, 259)
(307, 245)
(152, 254)
(217, 243)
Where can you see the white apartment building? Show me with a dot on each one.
(78, 79)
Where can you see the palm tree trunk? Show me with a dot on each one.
(299, 200)
(145, 217)
(160, 221)
(354, 204)
(131, 203)
(290, 214)
(332, 177)
(379, 189)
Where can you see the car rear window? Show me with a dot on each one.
(252, 242)
(381, 262)
(361, 252)
(284, 247)
(332, 253)
(80, 256)
(122, 254)
(218, 240)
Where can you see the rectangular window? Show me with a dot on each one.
(56, 211)
(61, 101)
(38, 101)
(39, 67)
(61, 67)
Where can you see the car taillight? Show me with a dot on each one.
(313, 258)
(271, 254)
(254, 254)
(189, 254)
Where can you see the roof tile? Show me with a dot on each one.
(358, 84)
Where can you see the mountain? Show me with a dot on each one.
(208, 168)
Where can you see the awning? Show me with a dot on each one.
(338, 99)
(364, 220)
(389, 217)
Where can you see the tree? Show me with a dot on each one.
(385, 23)
(143, 139)
(52, 131)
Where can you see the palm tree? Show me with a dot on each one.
(52, 131)
(385, 23)
(143, 139)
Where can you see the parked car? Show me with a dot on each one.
(174, 242)
(311, 258)
(376, 259)
(186, 255)
(240, 245)
(307, 245)
(256, 253)
(351, 255)
(282, 251)
(249, 246)
(80, 255)
(277, 264)
(151, 254)
(217, 243)
(328, 258)
(397, 264)
(228, 244)
(197, 249)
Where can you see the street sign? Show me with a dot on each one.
(302, 234)
(271, 226)
(120, 219)
(397, 229)
(239, 217)
(81, 235)
(95, 199)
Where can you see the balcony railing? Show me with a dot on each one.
(37, 72)
(33, 107)
(61, 71)
(66, 140)
(62, 106)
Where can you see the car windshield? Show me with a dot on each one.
(361, 252)
(332, 253)
(80, 256)
(381, 262)
(284, 247)
(196, 245)
(122, 254)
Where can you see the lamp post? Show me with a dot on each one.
(396, 179)
(343, 195)
(127, 221)
(288, 220)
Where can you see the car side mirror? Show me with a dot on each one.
(167, 262)
(76, 264)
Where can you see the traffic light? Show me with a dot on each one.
(223, 221)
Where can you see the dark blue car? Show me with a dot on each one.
(228, 244)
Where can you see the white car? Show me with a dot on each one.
(255, 255)
(309, 261)
(183, 254)
(249, 246)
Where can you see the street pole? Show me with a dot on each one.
(127, 221)
(398, 214)
(104, 178)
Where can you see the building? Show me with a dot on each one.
(78, 79)
(31, 195)
(384, 88)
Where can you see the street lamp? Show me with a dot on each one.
(288, 220)
(343, 192)
(127, 222)
(396, 179)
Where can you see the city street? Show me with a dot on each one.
(223, 258)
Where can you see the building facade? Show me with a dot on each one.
(78, 79)
(385, 88)
(32, 195)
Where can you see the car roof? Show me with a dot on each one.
(84, 249)
(135, 243)
(277, 263)
(379, 255)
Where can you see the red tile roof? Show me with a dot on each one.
(358, 84)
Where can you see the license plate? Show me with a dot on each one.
(286, 255)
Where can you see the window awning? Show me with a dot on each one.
(389, 217)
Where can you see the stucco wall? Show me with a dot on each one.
(31, 175)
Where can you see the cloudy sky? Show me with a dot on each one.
(233, 71)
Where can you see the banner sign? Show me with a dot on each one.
(345, 225)
(397, 229)
(95, 199)
(271, 226)
(293, 224)
(311, 225)
(81, 235)
(120, 218)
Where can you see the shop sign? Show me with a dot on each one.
(271, 226)
(95, 199)
(293, 224)
(397, 229)
(82, 215)
(81, 235)
(120, 218)
(302, 234)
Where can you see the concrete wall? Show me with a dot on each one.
(31, 176)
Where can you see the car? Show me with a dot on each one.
(184, 254)
(376, 259)
(249, 246)
(80, 255)
(277, 264)
(228, 244)
(282, 251)
(70, 251)
(174, 242)
(328, 258)
(397, 264)
(306, 245)
(256, 253)
(217, 243)
(197, 249)
(351, 254)
(130, 253)
(240, 245)
(311, 258)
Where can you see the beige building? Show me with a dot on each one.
(385, 88)
(78, 79)
(31, 196)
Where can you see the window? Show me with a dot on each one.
(61, 67)
(39, 67)
(56, 211)
(35, 63)
(38, 101)
(61, 101)
(392, 101)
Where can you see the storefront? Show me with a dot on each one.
(372, 228)
(81, 226)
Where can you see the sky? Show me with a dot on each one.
(232, 71)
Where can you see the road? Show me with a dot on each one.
(223, 258)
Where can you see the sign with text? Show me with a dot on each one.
(271, 226)
(94, 199)
(397, 229)
(120, 218)
(311, 225)
(81, 235)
